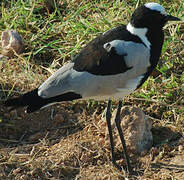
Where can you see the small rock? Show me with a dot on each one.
(180, 148)
(16, 171)
(23, 177)
(36, 136)
(11, 41)
(136, 128)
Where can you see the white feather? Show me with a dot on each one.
(156, 7)
(140, 32)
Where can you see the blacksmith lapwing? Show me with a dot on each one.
(111, 66)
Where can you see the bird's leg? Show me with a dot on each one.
(108, 119)
(117, 121)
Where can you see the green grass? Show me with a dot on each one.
(52, 39)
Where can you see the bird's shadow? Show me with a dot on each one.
(52, 123)
(59, 121)
(162, 136)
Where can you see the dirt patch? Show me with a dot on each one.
(67, 141)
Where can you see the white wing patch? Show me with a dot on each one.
(135, 54)
(156, 7)
(117, 44)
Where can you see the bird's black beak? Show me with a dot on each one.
(172, 18)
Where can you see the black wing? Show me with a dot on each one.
(97, 60)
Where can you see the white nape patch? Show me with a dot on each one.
(156, 7)
(117, 44)
(140, 32)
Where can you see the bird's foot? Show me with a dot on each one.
(117, 165)
(126, 168)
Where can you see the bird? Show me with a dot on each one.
(110, 67)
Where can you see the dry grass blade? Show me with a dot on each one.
(69, 141)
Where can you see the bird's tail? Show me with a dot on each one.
(34, 102)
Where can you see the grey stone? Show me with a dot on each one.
(11, 41)
(136, 127)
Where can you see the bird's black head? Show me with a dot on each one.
(151, 15)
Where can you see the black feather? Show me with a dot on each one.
(35, 102)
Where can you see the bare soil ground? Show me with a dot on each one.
(68, 142)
